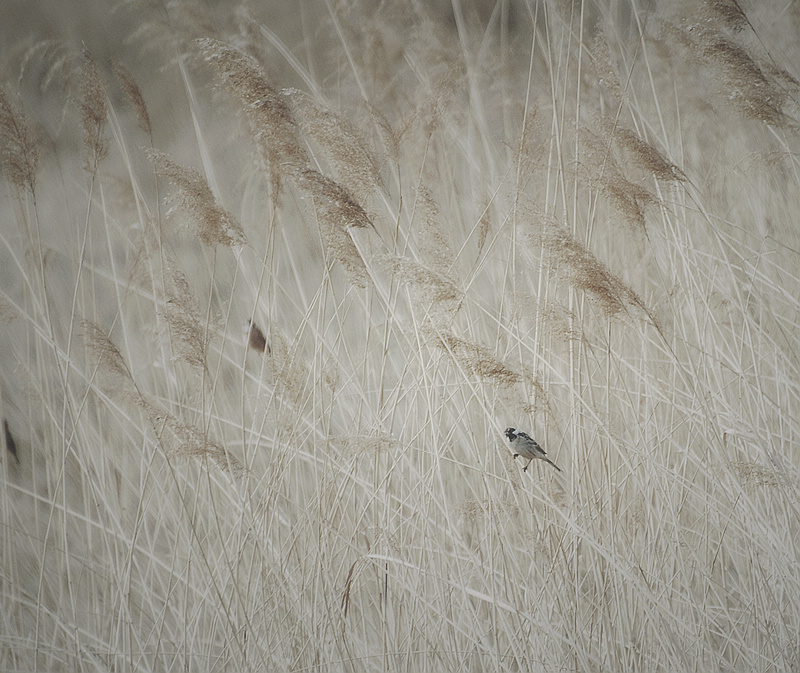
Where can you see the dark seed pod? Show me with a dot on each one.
(10, 444)
(256, 338)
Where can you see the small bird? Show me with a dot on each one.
(256, 338)
(527, 447)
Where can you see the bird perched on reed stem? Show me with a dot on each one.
(527, 447)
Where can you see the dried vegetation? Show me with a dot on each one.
(412, 246)
(20, 149)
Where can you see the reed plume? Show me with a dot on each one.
(288, 369)
(757, 91)
(354, 164)
(94, 113)
(577, 266)
(603, 66)
(432, 244)
(337, 212)
(20, 147)
(360, 446)
(111, 365)
(726, 13)
(643, 155)
(215, 225)
(134, 94)
(186, 328)
(432, 287)
(605, 175)
(484, 226)
(178, 438)
(747, 85)
(475, 359)
(271, 120)
(337, 204)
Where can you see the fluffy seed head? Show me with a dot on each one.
(20, 149)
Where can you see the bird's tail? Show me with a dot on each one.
(552, 463)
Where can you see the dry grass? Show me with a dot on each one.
(20, 150)
(276, 442)
(754, 88)
(188, 333)
(727, 13)
(271, 121)
(94, 112)
(336, 212)
(581, 270)
(215, 225)
(355, 167)
(475, 359)
(134, 94)
(435, 290)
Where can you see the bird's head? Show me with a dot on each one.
(511, 433)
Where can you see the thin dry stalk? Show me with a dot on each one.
(271, 120)
(20, 148)
(94, 114)
(215, 225)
